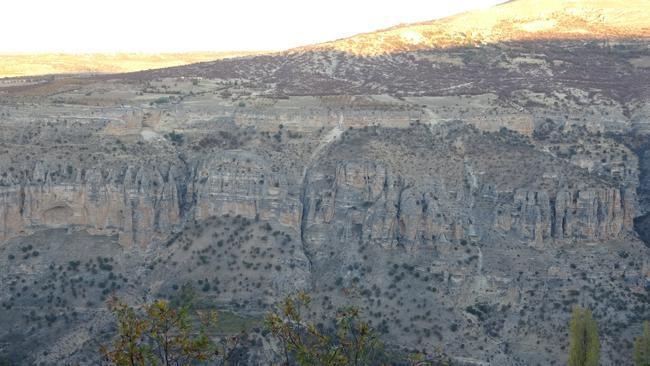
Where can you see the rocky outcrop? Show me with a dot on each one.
(589, 214)
(367, 202)
(140, 204)
(241, 186)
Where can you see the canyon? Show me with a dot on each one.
(464, 195)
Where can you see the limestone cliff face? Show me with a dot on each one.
(374, 204)
(589, 214)
(244, 187)
(140, 204)
(366, 202)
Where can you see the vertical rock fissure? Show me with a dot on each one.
(22, 199)
(303, 216)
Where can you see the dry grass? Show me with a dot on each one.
(12, 65)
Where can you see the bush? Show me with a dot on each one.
(175, 138)
(161, 100)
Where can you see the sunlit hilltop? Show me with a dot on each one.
(511, 21)
(13, 65)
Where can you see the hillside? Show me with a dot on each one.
(524, 44)
(518, 20)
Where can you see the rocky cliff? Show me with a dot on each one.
(378, 202)
(141, 204)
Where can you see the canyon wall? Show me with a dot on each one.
(364, 199)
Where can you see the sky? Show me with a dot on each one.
(77, 26)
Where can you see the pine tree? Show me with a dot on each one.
(585, 345)
(350, 342)
(159, 334)
(642, 347)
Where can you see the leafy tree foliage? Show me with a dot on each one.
(160, 335)
(164, 334)
(584, 341)
(350, 342)
(642, 347)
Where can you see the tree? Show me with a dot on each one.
(130, 347)
(163, 333)
(160, 335)
(642, 347)
(584, 342)
(348, 342)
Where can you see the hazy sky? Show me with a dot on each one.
(202, 25)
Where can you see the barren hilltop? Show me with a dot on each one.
(15, 65)
(518, 20)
